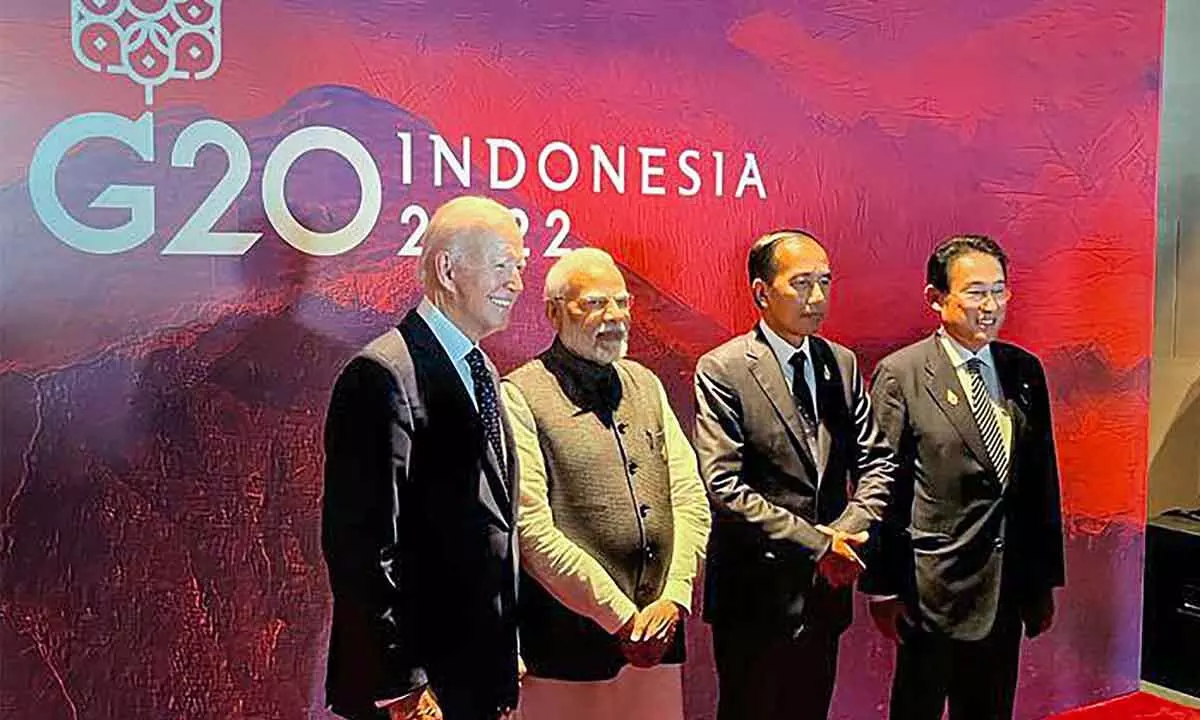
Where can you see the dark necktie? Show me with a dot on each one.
(985, 418)
(489, 408)
(802, 392)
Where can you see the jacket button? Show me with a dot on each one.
(998, 544)
(633, 468)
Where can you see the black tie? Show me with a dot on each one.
(801, 391)
(489, 408)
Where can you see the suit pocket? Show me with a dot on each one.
(925, 542)
(656, 440)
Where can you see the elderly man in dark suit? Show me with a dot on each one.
(797, 471)
(420, 491)
(975, 546)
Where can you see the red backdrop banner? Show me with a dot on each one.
(205, 208)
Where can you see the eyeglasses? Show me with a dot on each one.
(976, 296)
(599, 303)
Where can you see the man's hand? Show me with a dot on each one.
(647, 635)
(840, 565)
(420, 705)
(1038, 614)
(888, 615)
(657, 621)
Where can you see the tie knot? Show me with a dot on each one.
(475, 360)
(798, 359)
(975, 365)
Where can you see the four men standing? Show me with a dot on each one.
(423, 511)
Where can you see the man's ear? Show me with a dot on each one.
(934, 298)
(758, 290)
(444, 270)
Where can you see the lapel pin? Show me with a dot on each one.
(951, 397)
(827, 378)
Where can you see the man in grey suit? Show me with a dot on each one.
(796, 471)
(420, 493)
(974, 547)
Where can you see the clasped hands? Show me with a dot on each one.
(646, 636)
(840, 566)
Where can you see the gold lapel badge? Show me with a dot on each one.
(951, 397)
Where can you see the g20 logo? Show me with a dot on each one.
(152, 42)
(196, 235)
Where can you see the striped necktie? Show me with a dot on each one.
(985, 418)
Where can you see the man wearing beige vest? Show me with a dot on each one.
(613, 518)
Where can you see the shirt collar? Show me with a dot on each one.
(960, 355)
(783, 349)
(452, 340)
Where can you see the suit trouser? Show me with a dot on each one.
(978, 678)
(774, 675)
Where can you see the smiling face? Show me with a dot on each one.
(592, 316)
(974, 307)
(482, 278)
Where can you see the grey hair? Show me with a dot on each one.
(467, 217)
(560, 271)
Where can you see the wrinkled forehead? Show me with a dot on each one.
(489, 242)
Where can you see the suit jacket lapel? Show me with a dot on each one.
(501, 479)
(1016, 400)
(448, 394)
(766, 371)
(446, 386)
(829, 396)
(942, 383)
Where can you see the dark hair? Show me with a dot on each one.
(937, 272)
(761, 263)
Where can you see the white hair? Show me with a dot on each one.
(559, 274)
(467, 217)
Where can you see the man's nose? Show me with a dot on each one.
(816, 295)
(613, 312)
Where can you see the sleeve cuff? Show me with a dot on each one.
(680, 594)
(616, 617)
